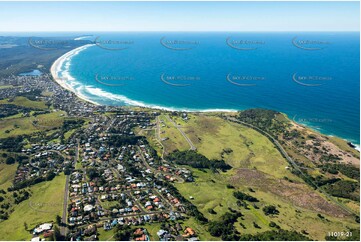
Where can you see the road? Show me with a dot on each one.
(291, 161)
(155, 172)
(157, 136)
(63, 228)
(192, 147)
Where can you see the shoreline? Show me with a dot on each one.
(59, 62)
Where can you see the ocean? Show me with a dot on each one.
(313, 77)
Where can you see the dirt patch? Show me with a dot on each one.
(209, 125)
(324, 145)
(298, 194)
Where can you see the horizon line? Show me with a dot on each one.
(219, 31)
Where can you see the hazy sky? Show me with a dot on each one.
(179, 16)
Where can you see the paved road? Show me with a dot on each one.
(291, 161)
(155, 172)
(157, 136)
(63, 229)
(192, 147)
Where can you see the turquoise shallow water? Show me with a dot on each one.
(312, 77)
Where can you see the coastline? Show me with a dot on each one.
(62, 82)
(58, 64)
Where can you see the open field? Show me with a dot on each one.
(45, 203)
(257, 164)
(213, 136)
(24, 102)
(6, 86)
(175, 140)
(7, 174)
(209, 191)
(24, 125)
(105, 235)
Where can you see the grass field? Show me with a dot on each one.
(209, 192)
(6, 86)
(212, 135)
(253, 152)
(7, 174)
(105, 235)
(24, 125)
(24, 102)
(44, 204)
(175, 139)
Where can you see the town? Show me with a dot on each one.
(74, 170)
(113, 177)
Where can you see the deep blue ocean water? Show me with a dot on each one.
(312, 77)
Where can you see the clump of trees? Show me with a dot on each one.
(344, 189)
(119, 141)
(346, 169)
(263, 119)
(122, 232)
(270, 210)
(244, 197)
(196, 160)
(224, 228)
(10, 160)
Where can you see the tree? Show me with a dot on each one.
(270, 210)
(57, 235)
(10, 160)
(58, 219)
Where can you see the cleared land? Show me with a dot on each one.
(258, 165)
(25, 125)
(45, 203)
(7, 174)
(24, 102)
(172, 138)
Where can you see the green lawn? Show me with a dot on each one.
(44, 204)
(209, 192)
(212, 135)
(7, 174)
(21, 126)
(24, 102)
(105, 235)
(175, 138)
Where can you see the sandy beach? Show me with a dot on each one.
(62, 81)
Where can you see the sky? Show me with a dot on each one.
(178, 16)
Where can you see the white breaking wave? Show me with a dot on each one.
(64, 78)
(98, 92)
